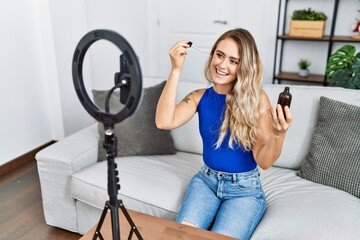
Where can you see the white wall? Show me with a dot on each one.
(24, 102)
(68, 21)
(38, 37)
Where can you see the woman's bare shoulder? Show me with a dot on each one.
(264, 97)
(194, 95)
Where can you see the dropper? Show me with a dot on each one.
(197, 49)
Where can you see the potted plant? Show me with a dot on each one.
(343, 67)
(304, 67)
(307, 23)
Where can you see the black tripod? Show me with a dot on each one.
(114, 203)
(129, 81)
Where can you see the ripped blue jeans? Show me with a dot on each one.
(231, 204)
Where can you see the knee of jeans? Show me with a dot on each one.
(185, 222)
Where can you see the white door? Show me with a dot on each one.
(201, 22)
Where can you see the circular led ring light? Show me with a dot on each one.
(133, 78)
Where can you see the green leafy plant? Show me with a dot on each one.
(309, 15)
(303, 64)
(343, 67)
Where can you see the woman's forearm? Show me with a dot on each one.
(269, 152)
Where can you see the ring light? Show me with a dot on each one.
(131, 79)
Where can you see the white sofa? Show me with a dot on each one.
(73, 183)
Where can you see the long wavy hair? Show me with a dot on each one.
(243, 102)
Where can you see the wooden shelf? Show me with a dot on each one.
(288, 37)
(323, 39)
(345, 39)
(283, 37)
(290, 76)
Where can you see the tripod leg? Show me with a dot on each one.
(130, 234)
(132, 224)
(97, 233)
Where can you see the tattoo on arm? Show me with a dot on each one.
(187, 98)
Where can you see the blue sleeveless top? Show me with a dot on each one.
(211, 110)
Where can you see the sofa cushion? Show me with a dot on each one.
(137, 134)
(334, 156)
(147, 183)
(298, 209)
(304, 108)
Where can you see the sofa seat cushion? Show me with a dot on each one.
(156, 180)
(301, 209)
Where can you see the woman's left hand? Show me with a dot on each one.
(273, 128)
(281, 121)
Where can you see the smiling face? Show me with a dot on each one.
(224, 65)
(234, 64)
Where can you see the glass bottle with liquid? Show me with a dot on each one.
(285, 98)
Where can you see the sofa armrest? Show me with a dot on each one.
(75, 151)
(56, 164)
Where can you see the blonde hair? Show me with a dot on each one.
(243, 102)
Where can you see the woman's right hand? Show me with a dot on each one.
(177, 55)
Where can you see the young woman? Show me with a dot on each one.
(240, 131)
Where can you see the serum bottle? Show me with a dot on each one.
(285, 98)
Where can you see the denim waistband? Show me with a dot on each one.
(230, 176)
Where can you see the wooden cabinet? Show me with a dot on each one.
(282, 37)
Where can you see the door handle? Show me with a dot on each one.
(224, 22)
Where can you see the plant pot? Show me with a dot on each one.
(302, 28)
(303, 73)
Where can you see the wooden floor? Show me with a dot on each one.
(21, 213)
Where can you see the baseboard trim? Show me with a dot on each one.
(22, 160)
